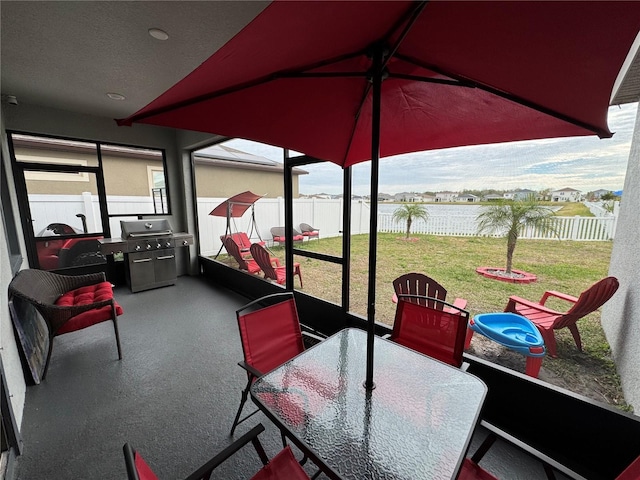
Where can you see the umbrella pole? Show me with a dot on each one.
(376, 81)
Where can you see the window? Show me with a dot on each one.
(75, 192)
(135, 180)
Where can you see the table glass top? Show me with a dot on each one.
(415, 424)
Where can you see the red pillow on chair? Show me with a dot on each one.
(84, 296)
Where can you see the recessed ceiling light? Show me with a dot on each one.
(158, 34)
(115, 96)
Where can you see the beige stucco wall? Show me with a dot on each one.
(122, 175)
(129, 176)
(58, 183)
(215, 181)
(621, 314)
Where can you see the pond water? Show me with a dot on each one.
(452, 209)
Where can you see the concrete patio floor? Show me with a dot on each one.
(173, 396)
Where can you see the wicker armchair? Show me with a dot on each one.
(68, 303)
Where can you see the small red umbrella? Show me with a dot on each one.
(235, 207)
(351, 81)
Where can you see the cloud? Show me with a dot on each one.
(583, 163)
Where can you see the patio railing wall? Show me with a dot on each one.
(325, 214)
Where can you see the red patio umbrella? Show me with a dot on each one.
(351, 81)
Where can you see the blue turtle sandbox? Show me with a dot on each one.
(511, 330)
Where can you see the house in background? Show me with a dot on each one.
(224, 171)
(492, 197)
(408, 197)
(566, 195)
(467, 197)
(446, 196)
(597, 194)
(522, 194)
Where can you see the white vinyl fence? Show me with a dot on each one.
(46, 209)
(568, 228)
(323, 214)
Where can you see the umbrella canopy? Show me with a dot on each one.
(464, 73)
(235, 206)
(352, 81)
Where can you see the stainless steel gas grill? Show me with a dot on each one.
(149, 251)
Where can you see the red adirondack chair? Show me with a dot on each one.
(244, 262)
(242, 240)
(420, 284)
(278, 273)
(548, 320)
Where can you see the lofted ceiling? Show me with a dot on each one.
(70, 54)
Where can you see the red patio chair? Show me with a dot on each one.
(432, 330)
(270, 335)
(244, 262)
(68, 303)
(282, 466)
(278, 274)
(472, 471)
(420, 284)
(242, 240)
(548, 320)
(632, 472)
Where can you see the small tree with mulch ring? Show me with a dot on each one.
(511, 218)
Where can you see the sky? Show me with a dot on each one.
(582, 163)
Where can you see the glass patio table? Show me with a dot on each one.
(415, 424)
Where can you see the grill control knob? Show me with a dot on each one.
(148, 246)
(158, 245)
(138, 248)
(168, 244)
(185, 243)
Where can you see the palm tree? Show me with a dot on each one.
(513, 217)
(408, 212)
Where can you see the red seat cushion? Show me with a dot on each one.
(282, 466)
(471, 471)
(296, 238)
(143, 469)
(632, 472)
(84, 296)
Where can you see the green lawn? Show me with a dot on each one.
(565, 266)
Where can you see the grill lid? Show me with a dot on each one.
(145, 228)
